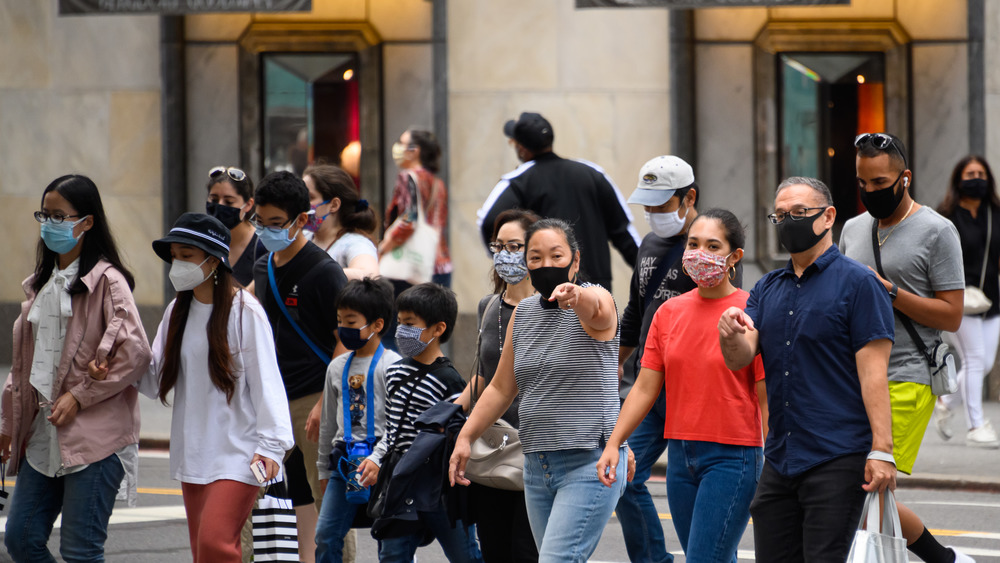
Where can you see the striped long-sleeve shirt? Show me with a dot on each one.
(440, 382)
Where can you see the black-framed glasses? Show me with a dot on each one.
(255, 223)
(234, 173)
(508, 246)
(881, 141)
(797, 214)
(54, 218)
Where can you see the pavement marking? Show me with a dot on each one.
(965, 534)
(954, 503)
(132, 515)
(140, 490)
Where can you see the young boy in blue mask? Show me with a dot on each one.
(353, 408)
(426, 315)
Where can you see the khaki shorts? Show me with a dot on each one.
(912, 407)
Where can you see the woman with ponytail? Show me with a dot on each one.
(215, 351)
(342, 222)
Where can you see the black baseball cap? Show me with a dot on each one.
(200, 231)
(531, 130)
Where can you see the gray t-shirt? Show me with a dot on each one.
(923, 256)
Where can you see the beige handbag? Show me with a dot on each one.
(497, 459)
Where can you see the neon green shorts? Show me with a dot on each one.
(912, 407)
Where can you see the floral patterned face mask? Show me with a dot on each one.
(704, 268)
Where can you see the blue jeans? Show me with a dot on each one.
(709, 490)
(567, 506)
(85, 499)
(458, 543)
(636, 512)
(335, 517)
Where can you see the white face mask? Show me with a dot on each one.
(668, 224)
(186, 275)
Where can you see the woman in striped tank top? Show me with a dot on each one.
(561, 355)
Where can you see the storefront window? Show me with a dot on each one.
(826, 100)
(311, 111)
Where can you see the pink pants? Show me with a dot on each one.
(215, 514)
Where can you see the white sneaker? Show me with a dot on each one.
(983, 437)
(942, 421)
(961, 557)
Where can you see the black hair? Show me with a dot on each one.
(243, 188)
(372, 297)
(816, 184)
(433, 303)
(283, 190)
(430, 150)
(951, 197)
(333, 182)
(555, 224)
(735, 231)
(895, 149)
(98, 242)
(683, 192)
(526, 218)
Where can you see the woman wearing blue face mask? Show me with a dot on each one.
(68, 438)
(215, 351)
(230, 200)
(342, 223)
(502, 521)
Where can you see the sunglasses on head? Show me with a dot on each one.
(234, 173)
(881, 141)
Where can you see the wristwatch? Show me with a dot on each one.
(893, 292)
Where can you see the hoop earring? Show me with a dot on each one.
(732, 273)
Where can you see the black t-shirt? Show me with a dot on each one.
(972, 232)
(637, 318)
(243, 268)
(311, 300)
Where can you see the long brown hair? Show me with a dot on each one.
(220, 361)
(950, 201)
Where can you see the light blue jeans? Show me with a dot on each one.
(335, 518)
(638, 516)
(709, 490)
(568, 506)
(84, 498)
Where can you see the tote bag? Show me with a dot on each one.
(275, 537)
(871, 545)
(413, 261)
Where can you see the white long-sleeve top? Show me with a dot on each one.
(210, 439)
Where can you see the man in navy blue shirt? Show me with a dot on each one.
(823, 325)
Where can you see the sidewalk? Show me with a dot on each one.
(945, 465)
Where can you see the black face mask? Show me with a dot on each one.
(546, 279)
(882, 203)
(228, 216)
(976, 187)
(798, 236)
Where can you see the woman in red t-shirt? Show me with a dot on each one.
(715, 417)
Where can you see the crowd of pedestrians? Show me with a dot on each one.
(286, 356)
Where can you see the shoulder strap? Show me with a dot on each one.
(479, 340)
(653, 284)
(986, 252)
(906, 322)
(369, 399)
(284, 310)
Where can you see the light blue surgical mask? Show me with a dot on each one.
(58, 237)
(274, 241)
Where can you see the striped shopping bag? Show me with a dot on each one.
(274, 534)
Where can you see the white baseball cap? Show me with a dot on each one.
(659, 179)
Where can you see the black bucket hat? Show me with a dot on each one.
(198, 230)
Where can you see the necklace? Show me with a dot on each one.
(881, 240)
(503, 296)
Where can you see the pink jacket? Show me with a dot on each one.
(105, 325)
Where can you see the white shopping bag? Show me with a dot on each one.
(871, 545)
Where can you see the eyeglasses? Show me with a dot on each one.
(509, 247)
(234, 173)
(797, 214)
(880, 141)
(54, 218)
(255, 223)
